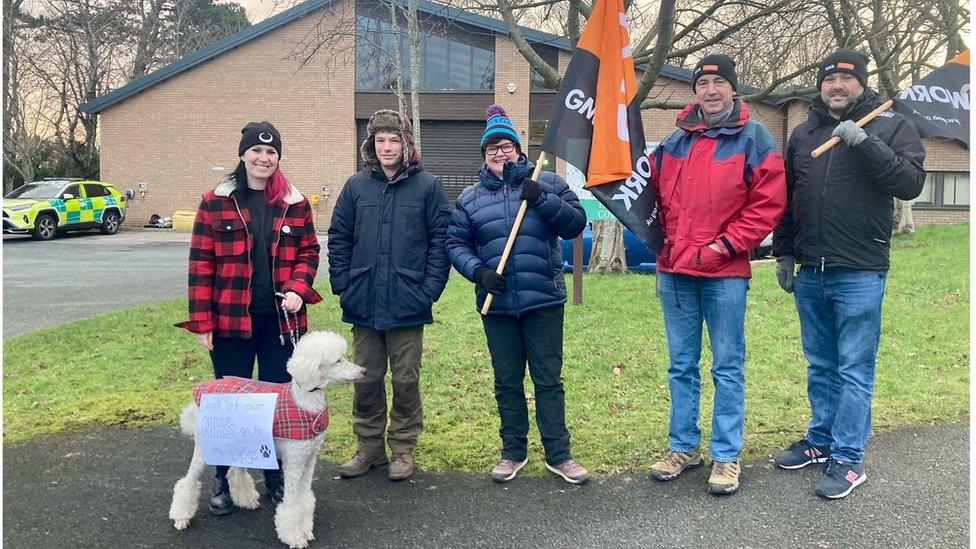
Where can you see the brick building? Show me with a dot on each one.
(173, 134)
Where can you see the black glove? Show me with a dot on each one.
(785, 272)
(531, 191)
(491, 281)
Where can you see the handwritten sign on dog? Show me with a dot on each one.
(235, 430)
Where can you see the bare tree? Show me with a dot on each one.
(379, 48)
(776, 43)
(149, 17)
(398, 59)
(414, 38)
(79, 59)
(64, 53)
(24, 129)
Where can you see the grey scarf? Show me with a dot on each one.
(717, 119)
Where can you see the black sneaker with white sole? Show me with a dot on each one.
(800, 454)
(840, 478)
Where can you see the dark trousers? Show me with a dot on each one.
(232, 356)
(401, 351)
(536, 337)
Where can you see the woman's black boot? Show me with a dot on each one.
(221, 502)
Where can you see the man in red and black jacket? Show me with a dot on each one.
(721, 190)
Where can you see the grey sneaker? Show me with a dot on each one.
(800, 454)
(507, 469)
(675, 463)
(572, 472)
(360, 463)
(401, 467)
(840, 478)
(724, 478)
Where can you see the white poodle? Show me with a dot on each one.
(318, 360)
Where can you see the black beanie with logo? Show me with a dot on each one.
(259, 133)
(717, 63)
(849, 61)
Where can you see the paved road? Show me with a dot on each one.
(86, 274)
(112, 488)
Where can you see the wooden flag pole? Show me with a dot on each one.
(860, 124)
(511, 236)
(578, 270)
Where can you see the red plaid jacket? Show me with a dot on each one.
(220, 262)
(290, 421)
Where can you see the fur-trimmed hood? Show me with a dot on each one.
(227, 187)
(394, 122)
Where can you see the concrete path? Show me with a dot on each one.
(112, 488)
(82, 275)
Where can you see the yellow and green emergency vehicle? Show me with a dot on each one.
(46, 208)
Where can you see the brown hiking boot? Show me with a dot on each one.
(675, 463)
(402, 466)
(360, 463)
(724, 478)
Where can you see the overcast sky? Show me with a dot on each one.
(258, 10)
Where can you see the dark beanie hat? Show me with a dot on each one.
(259, 133)
(499, 126)
(717, 63)
(849, 61)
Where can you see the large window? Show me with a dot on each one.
(945, 189)
(445, 65)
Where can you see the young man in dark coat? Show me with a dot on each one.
(388, 266)
(837, 228)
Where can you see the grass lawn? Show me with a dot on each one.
(134, 368)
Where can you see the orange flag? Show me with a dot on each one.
(596, 125)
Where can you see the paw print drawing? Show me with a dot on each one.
(265, 451)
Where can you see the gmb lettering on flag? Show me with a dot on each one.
(596, 125)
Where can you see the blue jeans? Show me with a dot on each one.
(840, 324)
(720, 303)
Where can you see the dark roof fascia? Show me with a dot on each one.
(184, 63)
(253, 31)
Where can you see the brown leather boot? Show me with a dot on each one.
(362, 462)
(402, 466)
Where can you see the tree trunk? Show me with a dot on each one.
(414, 34)
(905, 221)
(398, 60)
(607, 252)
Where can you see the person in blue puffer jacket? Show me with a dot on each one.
(525, 322)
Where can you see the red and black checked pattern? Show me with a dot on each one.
(290, 421)
(220, 269)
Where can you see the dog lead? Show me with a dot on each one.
(292, 329)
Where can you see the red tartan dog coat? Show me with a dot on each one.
(290, 421)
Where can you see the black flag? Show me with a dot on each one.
(938, 104)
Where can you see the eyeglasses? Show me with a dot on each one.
(506, 148)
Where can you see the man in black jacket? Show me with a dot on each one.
(837, 228)
(388, 265)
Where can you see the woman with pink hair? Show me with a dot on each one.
(253, 259)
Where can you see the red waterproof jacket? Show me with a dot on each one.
(725, 185)
(220, 262)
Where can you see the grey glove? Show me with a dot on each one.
(851, 133)
(786, 272)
